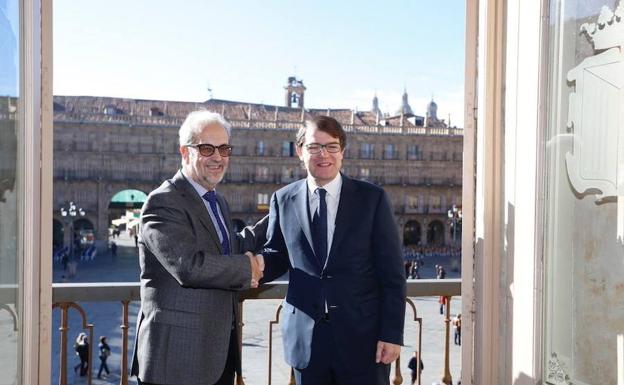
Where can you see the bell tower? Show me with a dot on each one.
(294, 92)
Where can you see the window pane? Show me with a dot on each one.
(10, 187)
(584, 206)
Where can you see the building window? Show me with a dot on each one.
(263, 199)
(367, 151)
(262, 173)
(235, 174)
(119, 143)
(262, 202)
(288, 174)
(288, 148)
(364, 173)
(390, 151)
(413, 152)
(411, 202)
(235, 202)
(439, 156)
(260, 148)
(435, 203)
(82, 143)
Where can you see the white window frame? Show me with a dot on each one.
(502, 274)
(35, 270)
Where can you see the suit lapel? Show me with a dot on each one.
(346, 207)
(191, 198)
(302, 211)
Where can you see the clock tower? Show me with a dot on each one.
(294, 92)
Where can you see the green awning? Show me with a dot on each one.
(129, 196)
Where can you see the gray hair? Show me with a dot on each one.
(196, 121)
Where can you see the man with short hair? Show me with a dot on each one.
(192, 267)
(342, 320)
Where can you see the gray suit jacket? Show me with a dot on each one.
(188, 289)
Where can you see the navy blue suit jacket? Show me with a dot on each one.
(363, 281)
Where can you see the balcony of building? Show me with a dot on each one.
(110, 309)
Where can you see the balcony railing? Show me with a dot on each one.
(68, 296)
(176, 121)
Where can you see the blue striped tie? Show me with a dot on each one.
(211, 197)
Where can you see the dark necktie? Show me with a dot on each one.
(211, 197)
(319, 228)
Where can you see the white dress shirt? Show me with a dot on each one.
(332, 198)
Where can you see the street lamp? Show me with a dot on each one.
(69, 213)
(455, 216)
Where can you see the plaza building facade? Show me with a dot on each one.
(103, 146)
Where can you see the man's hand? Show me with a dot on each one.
(257, 268)
(387, 352)
(260, 260)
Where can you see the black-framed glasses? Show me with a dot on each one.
(206, 149)
(316, 148)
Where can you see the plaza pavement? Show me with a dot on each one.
(257, 314)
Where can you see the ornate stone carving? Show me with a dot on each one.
(556, 371)
(595, 117)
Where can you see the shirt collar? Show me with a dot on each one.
(332, 188)
(199, 188)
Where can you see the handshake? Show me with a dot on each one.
(257, 268)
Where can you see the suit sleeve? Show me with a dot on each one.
(252, 238)
(390, 272)
(168, 234)
(274, 252)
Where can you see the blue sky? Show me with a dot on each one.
(9, 49)
(344, 51)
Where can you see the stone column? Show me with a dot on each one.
(101, 205)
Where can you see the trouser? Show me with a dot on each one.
(327, 368)
(103, 366)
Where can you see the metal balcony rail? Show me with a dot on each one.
(68, 296)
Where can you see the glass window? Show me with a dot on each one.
(262, 173)
(367, 151)
(435, 203)
(584, 197)
(262, 203)
(413, 152)
(260, 148)
(235, 173)
(11, 199)
(288, 174)
(390, 151)
(288, 148)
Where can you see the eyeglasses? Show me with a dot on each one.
(316, 148)
(206, 149)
